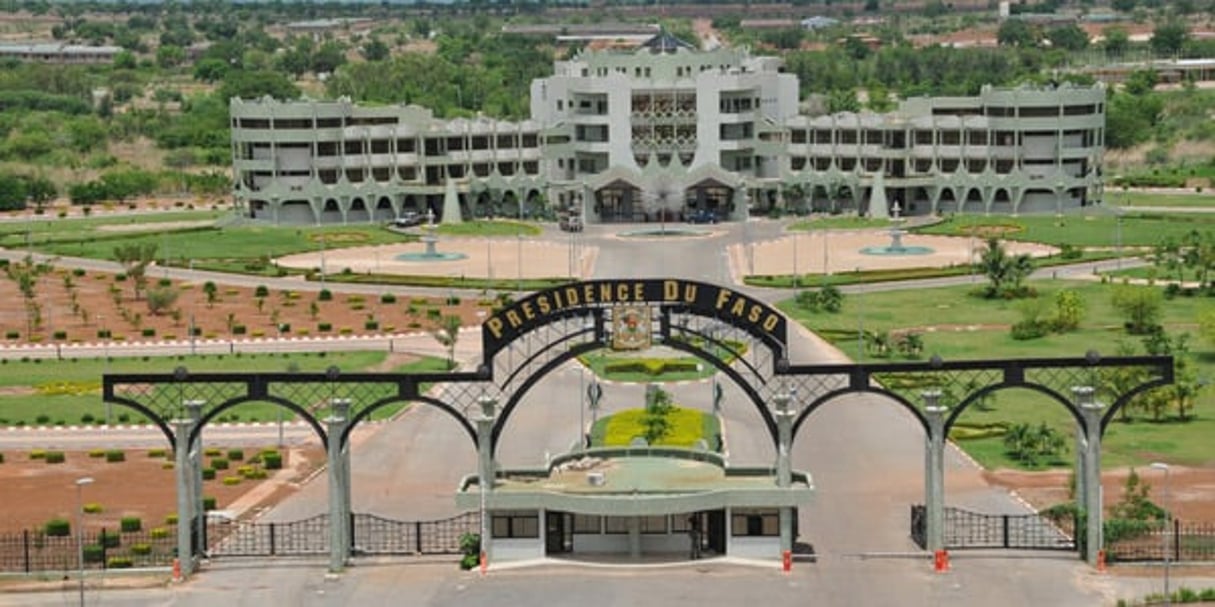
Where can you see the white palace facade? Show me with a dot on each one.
(668, 130)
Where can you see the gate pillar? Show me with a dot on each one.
(1079, 491)
(186, 470)
(339, 486)
(784, 467)
(1091, 411)
(485, 471)
(195, 451)
(934, 472)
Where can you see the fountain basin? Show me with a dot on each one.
(430, 256)
(894, 251)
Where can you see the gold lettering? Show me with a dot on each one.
(605, 292)
(588, 294)
(571, 296)
(512, 317)
(755, 312)
(639, 291)
(689, 293)
(494, 324)
(770, 322)
(670, 290)
(622, 291)
(528, 312)
(739, 307)
(542, 303)
(723, 296)
(557, 300)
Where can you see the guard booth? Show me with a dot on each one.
(637, 502)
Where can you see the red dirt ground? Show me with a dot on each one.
(36, 491)
(1191, 490)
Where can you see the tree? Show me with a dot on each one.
(375, 50)
(1031, 445)
(1069, 310)
(1017, 32)
(1140, 305)
(1136, 504)
(1117, 40)
(447, 334)
(1068, 37)
(13, 192)
(843, 101)
(170, 56)
(135, 258)
(245, 84)
(210, 70)
(161, 299)
(330, 56)
(1169, 37)
(40, 190)
(212, 292)
(1005, 273)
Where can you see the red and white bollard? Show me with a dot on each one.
(941, 561)
(484, 563)
(786, 561)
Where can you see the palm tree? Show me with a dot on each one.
(447, 334)
(1005, 272)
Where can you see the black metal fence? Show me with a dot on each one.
(1150, 540)
(378, 535)
(35, 551)
(972, 530)
(305, 537)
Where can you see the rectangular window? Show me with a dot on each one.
(754, 523)
(328, 123)
(616, 524)
(654, 524)
(588, 524)
(406, 146)
(515, 524)
(283, 123)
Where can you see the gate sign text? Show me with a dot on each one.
(700, 298)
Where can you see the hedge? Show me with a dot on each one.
(57, 527)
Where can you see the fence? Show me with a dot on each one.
(1149, 540)
(370, 535)
(973, 530)
(305, 537)
(378, 535)
(35, 551)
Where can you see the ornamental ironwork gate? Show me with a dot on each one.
(372, 535)
(743, 338)
(965, 529)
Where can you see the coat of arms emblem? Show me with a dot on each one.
(631, 327)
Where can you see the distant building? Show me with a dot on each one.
(668, 131)
(819, 22)
(58, 52)
(317, 28)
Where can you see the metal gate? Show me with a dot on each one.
(965, 529)
(372, 535)
(376, 535)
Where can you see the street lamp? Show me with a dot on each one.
(1168, 528)
(80, 483)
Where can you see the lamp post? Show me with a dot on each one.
(860, 320)
(1118, 237)
(80, 483)
(1168, 528)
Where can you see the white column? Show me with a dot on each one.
(934, 499)
(339, 508)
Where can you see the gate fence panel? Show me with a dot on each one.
(305, 537)
(32, 551)
(965, 529)
(1185, 541)
(375, 534)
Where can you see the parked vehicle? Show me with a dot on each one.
(570, 223)
(702, 216)
(408, 219)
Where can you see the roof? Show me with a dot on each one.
(645, 480)
(664, 42)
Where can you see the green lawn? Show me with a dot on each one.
(1148, 199)
(687, 427)
(957, 326)
(1093, 228)
(838, 222)
(45, 229)
(243, 242)
(483, 227)
(66, 391)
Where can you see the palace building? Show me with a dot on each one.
(667, 131)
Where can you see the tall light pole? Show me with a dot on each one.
(80, 483)
(796, 277)
(860, 320)
(1168, 528)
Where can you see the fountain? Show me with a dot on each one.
(430, 239)
(896, 246)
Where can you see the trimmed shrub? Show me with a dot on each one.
(57, 527)
(213, 452)
(38, 453)
(231, 480)
(388, 298)
(157, 452)
(324, 327)
(109, 539)
(239, 329)
(148, 332)
(97, 453)
(324, 295)
(236, 455)
(1, 458)
(141, 549)
(55, 457)
(272, 460)
(219, 463)
(158, 533)
(171, 519)
(115, 455)
(208, 503)
(93, 553)
(93, 508)
(208, 474)
(120, 562)
(130, 524)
